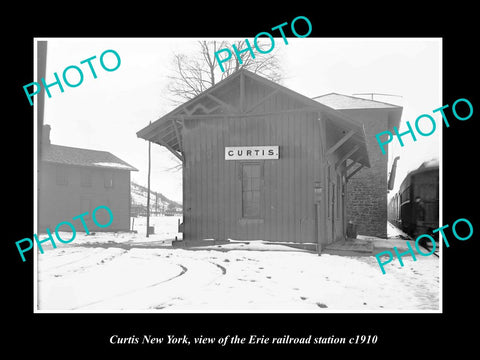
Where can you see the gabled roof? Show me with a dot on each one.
(83, 157)
(343, 102)
(166, 131)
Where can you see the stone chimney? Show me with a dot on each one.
(46, 135)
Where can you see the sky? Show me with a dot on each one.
(105, 113)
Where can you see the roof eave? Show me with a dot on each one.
(130, 167)
(148, 133)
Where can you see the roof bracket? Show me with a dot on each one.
(340, 142)
(177, 134)
(354, 172)
(162, 143)
(346, 156)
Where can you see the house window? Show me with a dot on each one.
(108, 179)
(86, 177)
(251, 190)
(61, 175)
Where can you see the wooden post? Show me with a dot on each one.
(40, 101)
(317, 228)
(148, 186)
(318, 194)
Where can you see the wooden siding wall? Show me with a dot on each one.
(212, 185)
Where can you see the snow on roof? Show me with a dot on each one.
(430, 164)
(342, 102)
(114, 165)
(83, 157)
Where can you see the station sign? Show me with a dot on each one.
(251, 152)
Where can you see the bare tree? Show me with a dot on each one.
(194, 74)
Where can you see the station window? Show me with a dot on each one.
(251, 190)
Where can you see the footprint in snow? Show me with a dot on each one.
(321, 305)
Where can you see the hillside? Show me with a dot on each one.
(159, 203)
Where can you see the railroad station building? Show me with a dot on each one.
(262, 162)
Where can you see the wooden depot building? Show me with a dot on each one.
(262, 162)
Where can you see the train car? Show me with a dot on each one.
(415, 207)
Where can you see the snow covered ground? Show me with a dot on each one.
(113, 272)
(395, 233)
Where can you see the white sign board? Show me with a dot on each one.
(251, 152)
